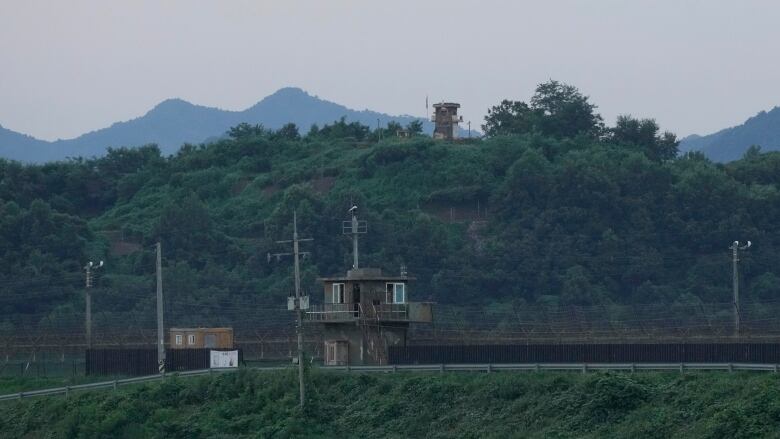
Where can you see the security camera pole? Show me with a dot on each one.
(735, 247)
(88, 299)
(353, 230)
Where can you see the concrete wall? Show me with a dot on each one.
(367, 343)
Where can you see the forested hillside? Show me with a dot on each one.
(537, 213)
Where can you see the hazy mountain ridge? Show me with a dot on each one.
(174, 122)
(13, 144)
(729, 144)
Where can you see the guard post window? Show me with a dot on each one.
(338, 293)
(399, 292)
(178, 339)
(191, 339)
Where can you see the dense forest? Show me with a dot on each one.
(251, 403)
(552, 207)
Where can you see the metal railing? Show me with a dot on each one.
(354, 311)
(112, 384)
(333, 312)
(562, 367)
(489, 367)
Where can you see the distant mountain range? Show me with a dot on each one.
(175, 122)
(763, 130)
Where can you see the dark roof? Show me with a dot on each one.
(446, 104)
(377, 278)
(374, 274)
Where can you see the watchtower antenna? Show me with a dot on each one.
(354, 227)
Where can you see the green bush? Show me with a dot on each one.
(500, 404)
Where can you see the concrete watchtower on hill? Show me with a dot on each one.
(365, 311)
(446, 119)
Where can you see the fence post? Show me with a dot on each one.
(489, 368)
(682, 368)
(731, 367)
(441, 368)
(67, 392)
(115, 384)
(633, 367)
(585, 368)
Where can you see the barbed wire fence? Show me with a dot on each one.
(266, 333)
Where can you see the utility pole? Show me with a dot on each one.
(160, 333)
(300, 303)
(735, 247)
(88, 299)
(378, 131)
(469, 129)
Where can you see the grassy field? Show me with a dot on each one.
(534, 405)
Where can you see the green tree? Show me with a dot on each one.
(341, 130)
(186, 228)
(287, 132)
(556, 109)
(244, 130)
(392, 129)
(509, 117)
(564, 111)
(414, 127)
(644, 134)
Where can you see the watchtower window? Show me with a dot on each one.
(178, 339)
(191, 339)
(397, 292)
(338, 293)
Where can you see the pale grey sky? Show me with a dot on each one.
(67, 67)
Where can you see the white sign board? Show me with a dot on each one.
(224, 359)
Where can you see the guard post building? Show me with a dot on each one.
(446, 120)
(365, 311)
